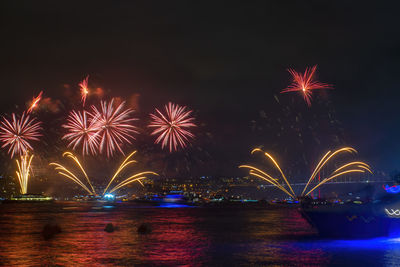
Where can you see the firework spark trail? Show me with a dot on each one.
(62, 170)
(305, 83)
(277, 166)
(123, 165)
(35, 102)
(131, 179)
(82, 130)
(325, 160)
(18, 132)
(84, 89)
(114, 125)
(267, 177)
(135, 178)
(23, 172)
(360, 167)
(70, 175)
(260, 174)
(332, 177)
(359, 164)
(74, 158)
(172, 128)
(351, 167)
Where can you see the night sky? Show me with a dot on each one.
(228, 62)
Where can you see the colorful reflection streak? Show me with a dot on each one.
(175, 240)
(180, 239)
(189, 237)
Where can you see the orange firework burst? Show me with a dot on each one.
(84, 89)
(305, 82)
(35, 102)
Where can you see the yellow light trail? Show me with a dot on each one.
(359, 164)
(276, 165)
(266, 177)
(258, 170)
(67, 173)
(273, 183)
(62, 170)
(23, 172)
(137, 177)
(280, 170)
(124, 164)
(74, 158)
(324, 160)
(356, 167)
(315, 170)
(126, 183)
(332, 177)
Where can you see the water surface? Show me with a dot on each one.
(213, 236)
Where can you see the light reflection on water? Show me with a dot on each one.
(179, 236)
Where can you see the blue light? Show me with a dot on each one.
(173, 196)
(392, 189)
(174, 205)
(109, 196)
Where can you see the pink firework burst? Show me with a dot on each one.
(305, 83)
(17, 133)
(172, 128)
(115, 126)
(82, 130)
(84, 89)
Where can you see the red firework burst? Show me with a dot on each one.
(115, 126)
(84, 89)
(305, 83)
(35, 101)
(172, 128)
(82, 130)
(17, 133)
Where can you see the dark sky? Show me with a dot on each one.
(226, 61)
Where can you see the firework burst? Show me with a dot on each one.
(305, 83)
(35, 102)
(172, 128)
(17, 133)
(82, 130)
(114, 126)
(84, 89)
